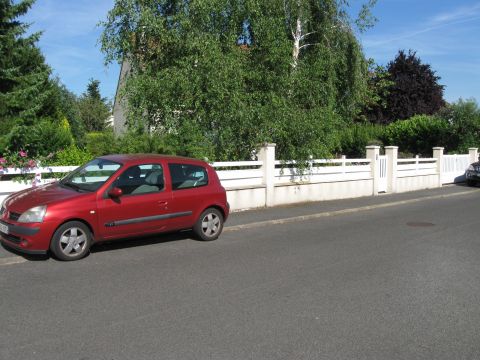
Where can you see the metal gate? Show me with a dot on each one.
(382, 181)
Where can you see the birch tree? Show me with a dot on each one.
(306, 18)
(230, 74)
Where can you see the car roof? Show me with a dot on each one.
(142, 158)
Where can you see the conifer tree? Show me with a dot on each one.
(25, 86)
(94, 110)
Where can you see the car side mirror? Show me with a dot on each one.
(115, 193)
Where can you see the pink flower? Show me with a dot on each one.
(22, 153)
(2, 160)
(31, 163)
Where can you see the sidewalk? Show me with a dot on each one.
(310, 208)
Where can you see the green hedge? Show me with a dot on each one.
(417, 135)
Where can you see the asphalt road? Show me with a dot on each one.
(397, 278)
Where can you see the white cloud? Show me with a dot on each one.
(456, 17)
(464, 13)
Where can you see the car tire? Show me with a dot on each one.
(209, 225)
(470, 183)
(71, 241)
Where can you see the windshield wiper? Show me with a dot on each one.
(73, 186)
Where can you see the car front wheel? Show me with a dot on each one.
(470, 183)
(209, 225)
(71, 241)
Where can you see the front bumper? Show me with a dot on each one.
(19, 249)
(24, 238)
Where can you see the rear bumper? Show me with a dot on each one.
(227, 213)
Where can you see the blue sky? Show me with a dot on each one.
(445, 34)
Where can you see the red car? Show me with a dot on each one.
(113, 197)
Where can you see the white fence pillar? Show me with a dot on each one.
(266, 154)
(392, 157)
(438, 154)
(373, 152)
(473, 152)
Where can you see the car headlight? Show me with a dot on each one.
(33, 215)
(471, 168)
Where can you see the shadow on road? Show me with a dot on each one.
(29, 257)
(115, 245)
(141, 241)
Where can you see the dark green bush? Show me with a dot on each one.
(40, 139)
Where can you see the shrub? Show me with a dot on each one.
(355, 138)
(71, 155)
(464, 119)
(101, 143)
(417, 135)
(135, 143)
(40, 139)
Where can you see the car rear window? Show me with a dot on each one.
(186, 176)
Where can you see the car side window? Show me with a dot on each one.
(141, 179)
(185, 176)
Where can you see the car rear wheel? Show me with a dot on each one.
(209, 225)
(71, 241)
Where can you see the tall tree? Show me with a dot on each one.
(67, 104)
(94, 110)
(414, 89)
(234, 73)
(25, 87)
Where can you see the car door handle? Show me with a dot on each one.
(163, 203)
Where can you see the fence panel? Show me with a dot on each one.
(453, 169)
(239, 173)
(323, 170)
(416, 167)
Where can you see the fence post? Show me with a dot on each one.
(373, 152)
(438, 154)
(266, 154)
(473, 152)
(392, 162)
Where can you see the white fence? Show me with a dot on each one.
(270, 182)
(417, 167)
(454, 166)
(239, 173)
(328, 170)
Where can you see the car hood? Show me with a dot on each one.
(42, 195)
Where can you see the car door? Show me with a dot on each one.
(143, 206)
(189, 183)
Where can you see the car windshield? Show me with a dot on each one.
(90, 176)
